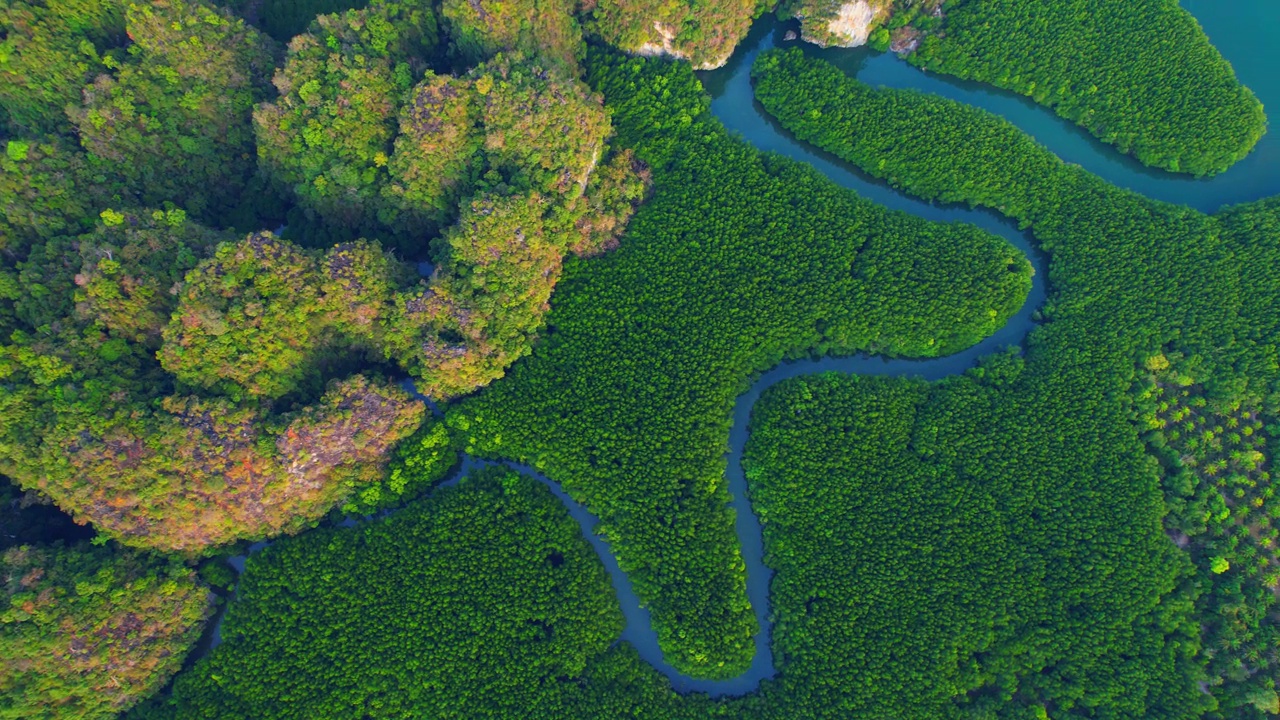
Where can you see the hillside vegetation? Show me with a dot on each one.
(87, 633)
(182, 387)
(1004, 526)
(270, 270)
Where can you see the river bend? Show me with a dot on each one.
(733, 103)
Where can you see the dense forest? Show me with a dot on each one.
(761, 259)
(938, 493)
(1217, 465)
(1141, 76)
(203, 378)
(526, 599)
(960, 277)
(181, 385)
(88, 632)
(1137, 282)
(270, 269)
(940, 596)
(1151, 83)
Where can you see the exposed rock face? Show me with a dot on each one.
(852, 23)
(844, 25)
(703, 33)
(666, 47)
(905, 40)
(667, 34)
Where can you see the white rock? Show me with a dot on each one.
(852, 23)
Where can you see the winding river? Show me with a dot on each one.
(1251, 26)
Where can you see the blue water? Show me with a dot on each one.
(1250, 26)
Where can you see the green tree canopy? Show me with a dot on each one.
(246, 319)
(173, 121)
(329, 135)
(50, 51)
(480, 29)
(1151, 83)
(87, 633)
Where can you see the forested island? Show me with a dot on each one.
(383, 359)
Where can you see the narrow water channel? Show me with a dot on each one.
(1249, 35)
(733, 103)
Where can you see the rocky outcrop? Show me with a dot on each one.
(703, 33)
(847, 24)
(852, 23)
(905, 40)
(664, 45)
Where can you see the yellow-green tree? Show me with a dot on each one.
(86, 633)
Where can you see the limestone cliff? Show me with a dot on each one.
(841, 24)
(705, 34)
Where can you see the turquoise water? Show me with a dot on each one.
(1248, 33)
(1254, 52)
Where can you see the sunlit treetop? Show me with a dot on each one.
(329, 135)
(246, 319)
(480, 29)
(541, 132)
